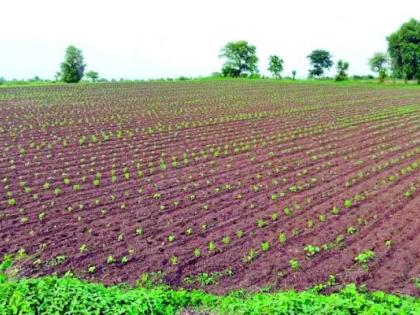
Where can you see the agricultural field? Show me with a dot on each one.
(219, 185)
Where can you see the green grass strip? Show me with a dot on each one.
(67, 295)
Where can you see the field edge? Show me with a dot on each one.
(69, 295)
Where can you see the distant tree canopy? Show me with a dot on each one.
(92, 75)
(342, 67)
(275, 65)
(378, 63)
(320, 60)
(73, 66)
(404, 51)
(241, 59)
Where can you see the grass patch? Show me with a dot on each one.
(68, 295)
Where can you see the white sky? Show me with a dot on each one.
(157, 38)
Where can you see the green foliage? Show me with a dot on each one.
(241, 59)
(311, 250)
(342, 67)
(73, 66)
(275, 65)
(92, 75)
(52, 295)
(378, 63)
(320, 60)
(364, 257)
(404, 51)
(294, 264)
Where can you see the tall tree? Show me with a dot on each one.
(92, 75)
(275, 65)
(404, 51)
(378, 64)
(241, 59)
(294, 74)
(342, 67)
(73, 66)
(57, 76)
(320, 60)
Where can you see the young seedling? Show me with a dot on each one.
(212, 246)
(265, 246)
(173, 260)
(83, 248)
(335, 210)
(226, 240)
(139, 231)
(250, 256)
(294, 264)
(110, 259)
(261, 223)
(282, 238)
(311, 250)
(364, 258)
(197, 252)
(124, 259)
(287, 211)
(348, 203)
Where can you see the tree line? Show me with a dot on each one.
(401, 61)
(402, 58)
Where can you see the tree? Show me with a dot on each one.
(73, 66)
(275, 65)
(57, 76)
(319, 59)
(342, 67)
(294, 74)
(241, 59)
(92, 75)
(404, 51)
(378, 64)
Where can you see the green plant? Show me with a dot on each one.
(83, 248)
(351, 230)
(124, 259)
(212, 246)
(365, 257)
(282, 238)
(335, 210)
(294, 264)
(139, 231)
(261, 223)
(265, 246)
(173, 260)
(110, 259)
(250, 256)
(29, 296)
(197, 252)
(311, 250)
(348, 203)
(226, 240)
(287, 211)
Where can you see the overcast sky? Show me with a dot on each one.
(157, 38)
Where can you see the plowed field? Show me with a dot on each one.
(223, 185)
